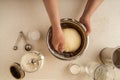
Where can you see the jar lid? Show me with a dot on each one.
(16, 71)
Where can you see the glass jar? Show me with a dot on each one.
(32, 61)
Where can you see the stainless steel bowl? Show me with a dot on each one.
(68, 23)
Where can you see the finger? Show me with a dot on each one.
(55, 47)
(61, 47)
(88, 32)
(88, 29)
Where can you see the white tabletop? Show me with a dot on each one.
(28, 15)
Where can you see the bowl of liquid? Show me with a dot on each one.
(75, 39)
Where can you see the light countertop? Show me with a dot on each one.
(27, 15)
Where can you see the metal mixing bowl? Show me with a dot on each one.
(68, 23)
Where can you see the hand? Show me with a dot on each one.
(86, 23)
(58, 40)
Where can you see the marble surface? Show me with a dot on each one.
(28, 15)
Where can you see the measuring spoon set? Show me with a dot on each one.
(27, 46)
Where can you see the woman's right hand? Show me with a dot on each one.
(58, 39)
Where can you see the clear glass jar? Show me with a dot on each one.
(32, 61)
(94, 70)
(100, 71)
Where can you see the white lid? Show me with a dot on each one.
(74, 69)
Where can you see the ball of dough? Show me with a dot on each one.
(72, 39)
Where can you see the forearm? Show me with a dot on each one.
(90, 8)
(53, 12)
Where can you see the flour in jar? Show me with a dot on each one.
(26, 63)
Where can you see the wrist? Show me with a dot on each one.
(85, 17)
(55, 24)
(56, 28)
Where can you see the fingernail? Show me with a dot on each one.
(62, 50)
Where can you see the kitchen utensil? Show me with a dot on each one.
(28, 46)
(15, 47)
(35, 60)
(32, 61)
(16, 71)
(68, 23)
(111, 56)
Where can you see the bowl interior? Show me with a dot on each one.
(69, 55)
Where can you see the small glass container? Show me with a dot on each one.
(94, 70)
(75, 69)
(100, 71)
(32, 61)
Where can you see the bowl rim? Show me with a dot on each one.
(83, 30)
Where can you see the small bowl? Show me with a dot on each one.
(68, 23)
(26, 61)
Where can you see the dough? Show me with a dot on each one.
(72, 39)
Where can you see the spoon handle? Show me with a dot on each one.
(23, 36)
(18, 39)
(41, 57)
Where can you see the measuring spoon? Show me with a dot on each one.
(28, 46)
(15, 47)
